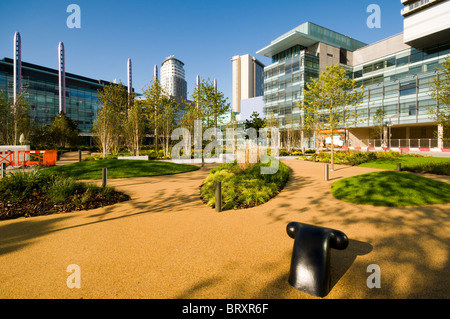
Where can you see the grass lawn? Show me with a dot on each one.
(437, 165)
(90, 170)
(391, 188)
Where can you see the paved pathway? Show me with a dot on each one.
(165, 243)
(71, 157)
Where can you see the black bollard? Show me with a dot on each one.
(104, 177)
(218, 196)
(79, 155)
(310, 264)
(3, 169)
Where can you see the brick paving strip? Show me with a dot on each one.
(165, 243)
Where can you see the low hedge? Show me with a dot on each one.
(243, 188)
(351, 157)
(33, 193)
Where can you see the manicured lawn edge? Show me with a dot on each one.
(91, 170)
(392, 189)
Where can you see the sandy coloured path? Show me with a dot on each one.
(165, 243)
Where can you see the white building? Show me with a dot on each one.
(248, 80)
(173, 78)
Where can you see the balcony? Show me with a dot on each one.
(413, 6)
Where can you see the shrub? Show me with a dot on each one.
(62, 188)
(242, 188)
(20, 184)
(433, 168)
(296, 153)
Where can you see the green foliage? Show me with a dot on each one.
(57, 188)
(379, 123)
(330, 102)
(350, 157)
(440, 90)
(63, 130)
(391, 188)
(440, 168)
(255, 122)
(387, 160)
(211, 103)
(133, 127)
(20, 184)
(107, 126)
(61, 188)
(243, 188)
(14, 120)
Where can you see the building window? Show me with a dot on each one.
(408, 88)
(403, 61)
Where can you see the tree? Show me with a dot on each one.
(63, 130)
(216, 103)
(208, 103)
(134, 126)
(289, 132)
(440, 91)
(5, 120)
(107, 126)
(330, 102)
(379, 124)
(14, 120)
(153, 96)
(255, 122)
(170, 109)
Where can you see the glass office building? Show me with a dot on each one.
(400, 85)
(41, 90)
(297, 57)
(396, 75)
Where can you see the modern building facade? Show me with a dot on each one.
(396, 73)
(248, 80)
(40, 86)
(297, 57)
(173, 78)
(51, 91)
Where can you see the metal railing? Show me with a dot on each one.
(400, 143)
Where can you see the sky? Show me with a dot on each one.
(204, 35)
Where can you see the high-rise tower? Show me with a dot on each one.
(173, 78)
(248, 79)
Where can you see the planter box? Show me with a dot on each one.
(134, 158)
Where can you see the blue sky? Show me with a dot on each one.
(205, 35)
